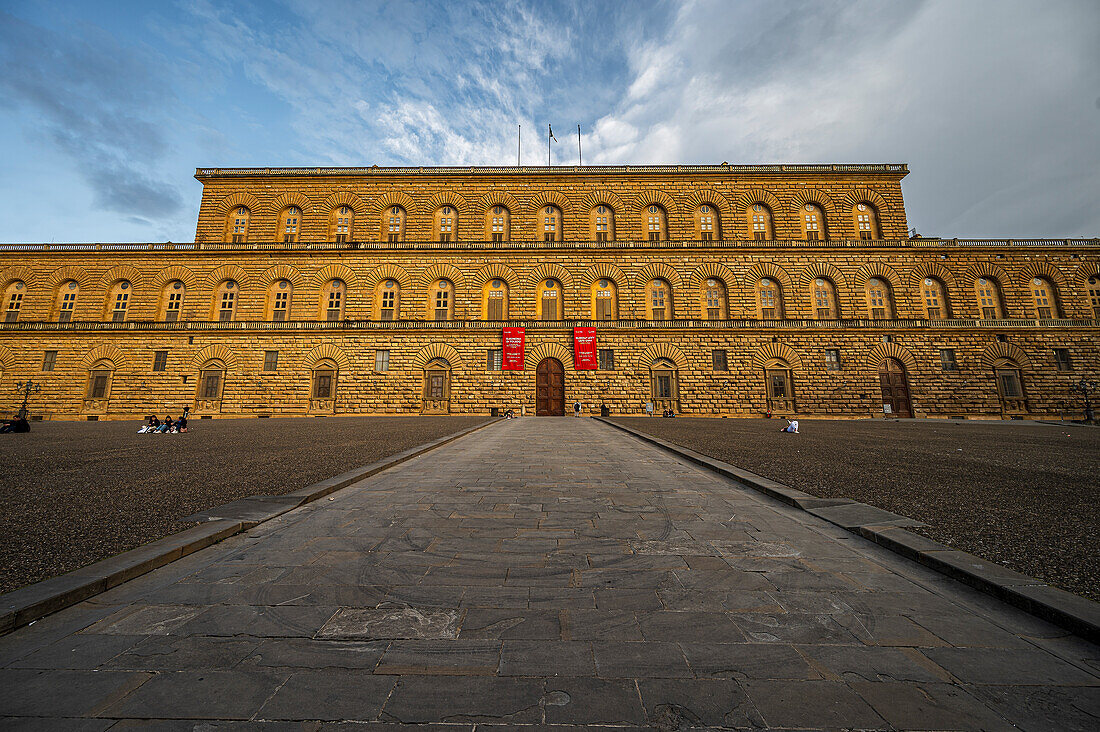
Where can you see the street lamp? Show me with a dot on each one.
(1084, 387)
(28, 387)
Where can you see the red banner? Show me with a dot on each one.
(513, 350)
(584, 349)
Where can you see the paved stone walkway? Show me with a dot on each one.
(547, 572)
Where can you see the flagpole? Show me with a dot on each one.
(580, 160)
(519, 143)
(549, 133)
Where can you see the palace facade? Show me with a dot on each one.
(714, 290)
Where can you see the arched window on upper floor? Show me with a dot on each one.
(1045, 298)
(826, 305)
(602, 223)
(341, 226)
(659, 299)
(655, 222)
(934, 297)
(498, 224)
(494, 299)
(760, 217)
(225, 301)
(880, 304)
(387, 298)
(332, 300)
(118, 301)
(446, 224)
(13, 300)
(715, 297)
(988, 292)
(769, 299)
(605, 299)
(813, 223)
(236, 225)
(279, 296)
(550, 300)
(550, 223)
(708, 225)
(290, 223)
(441, 296)
(393, 224)
(65, 303)
(866, 221)
(1094, 295)
(171, 301)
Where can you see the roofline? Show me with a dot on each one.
(559, 170)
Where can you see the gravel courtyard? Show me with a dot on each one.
(72, 493)
(1023, 495)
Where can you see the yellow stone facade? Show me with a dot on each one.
(717, 290)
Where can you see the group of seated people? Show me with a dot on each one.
(508, 414)
(668, 413)
(167, 427)
(19, 424)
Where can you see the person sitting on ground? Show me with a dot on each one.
(154, 425)
(147, 426)
(792, 426)
(18, 424)
(181, 425)
(168, 424)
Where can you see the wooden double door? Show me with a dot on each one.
(550, 388)
(895, 388)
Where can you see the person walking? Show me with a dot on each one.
(576, 409)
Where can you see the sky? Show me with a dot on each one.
(108, 107)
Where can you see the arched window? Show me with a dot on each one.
(866, 220)
(934, 296)
(442, 298)
(1094, 295)
(341, 224)
(498, 223)
(236, 225)
(659, 297)
(664, 385)
(225, 301)
(13, 299)
(551, 223)
(602, 223)
(332, 300)
(989, 298)
(290, 223)
(323, 389)
(779, 382)
(211, 385)
(279, 295)
(550, 302)
(655, 222)
(393, 224)
(760, 216)
(769, 299)
(813, 223)
(879, 303)
(387, 296)
(1010, 386)
(118, 301)
(708, 227)
(825, 302)
(446, 224)
(1046, 299)
(100, 376)
(494, 299)
(714, 296)
(604, 299)
(66, 300)
(172, 301)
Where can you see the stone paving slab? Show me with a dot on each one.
(546, 574)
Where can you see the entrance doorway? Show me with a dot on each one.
(437, 387)
(895, 388)
(550, 388)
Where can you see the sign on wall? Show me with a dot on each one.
(584, 349)
(513, 350)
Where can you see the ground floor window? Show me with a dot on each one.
(780, 387)
(664, 386)
(607, 359)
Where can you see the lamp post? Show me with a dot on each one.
(1085, 387)
(28, 387)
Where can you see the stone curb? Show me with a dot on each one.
(1076, 614)
(27, 604)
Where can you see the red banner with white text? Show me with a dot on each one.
(584, 349)
(513, 350)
